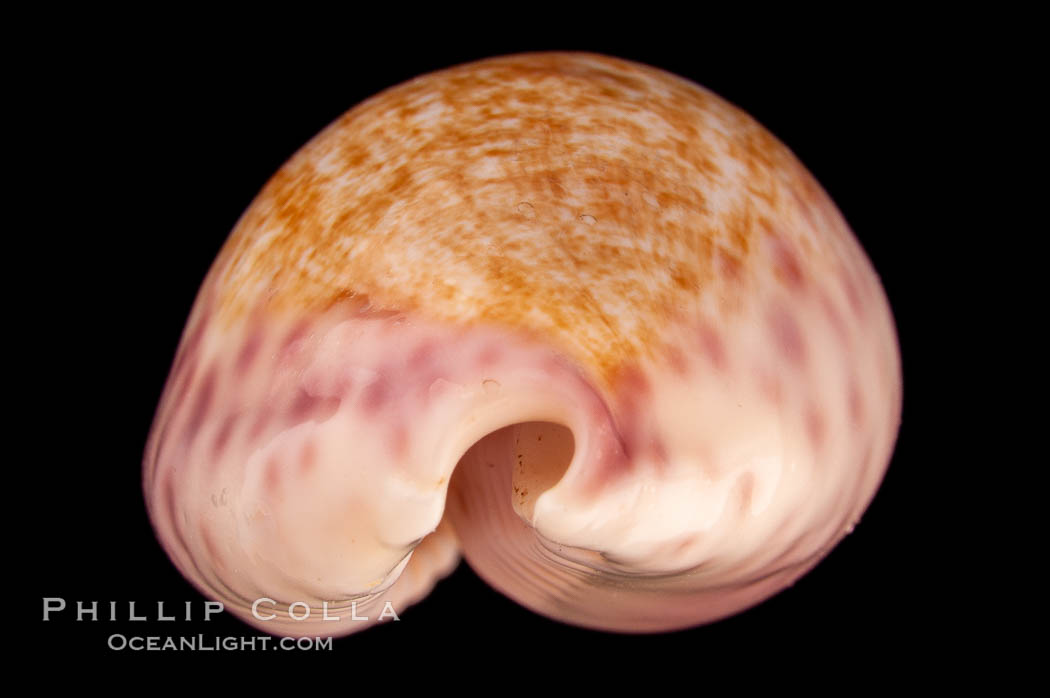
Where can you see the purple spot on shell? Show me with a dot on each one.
(787, 335)
(183, 383)
(632, 431)
(202, 405)
(222, 437)
(729, 267)
(306, 406)
(712, 346)
(676, 360)
(422, 357)
(249, 350)
(633, 384)
(168, 493)
(161, 448)
(834, 318)
(489, 355)
(786, 264)
(376, 395)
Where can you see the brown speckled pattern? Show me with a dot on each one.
(586, 198)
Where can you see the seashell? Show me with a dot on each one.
(573, 318)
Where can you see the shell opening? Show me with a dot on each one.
(542, 452)
(535, 454)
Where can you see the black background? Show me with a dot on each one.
(149, 150)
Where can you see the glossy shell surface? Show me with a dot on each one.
(574, 318)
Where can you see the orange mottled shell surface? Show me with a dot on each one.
(587, 199)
